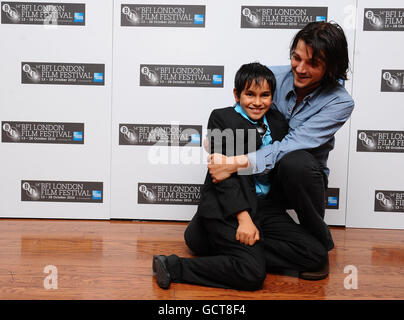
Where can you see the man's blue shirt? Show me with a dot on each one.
(312, 124)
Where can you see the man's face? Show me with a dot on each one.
(255, 100)
(306, 75)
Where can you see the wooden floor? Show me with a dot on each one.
(112, 260)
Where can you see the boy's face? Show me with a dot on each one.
(255, 100)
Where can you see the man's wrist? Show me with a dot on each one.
(242, 165)
(241, 162)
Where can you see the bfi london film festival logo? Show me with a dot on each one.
(389, 201)
(181, 75)
(387, 19)
(61, 191)
(141, 15)
(62, 73)
(160, 134)
(380, 141)
(269, 17)
(169, 193)
(42, 132)
(392, 81)
(45, 13)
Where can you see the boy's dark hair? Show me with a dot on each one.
(329, 44)
(253, 72)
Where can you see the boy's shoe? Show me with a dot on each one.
(320, 274)
(160, 270)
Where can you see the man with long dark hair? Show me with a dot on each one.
(316, 105)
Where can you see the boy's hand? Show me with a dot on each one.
(221, 167)
(247, 233)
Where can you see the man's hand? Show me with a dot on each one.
(221, 167)
(247, 233)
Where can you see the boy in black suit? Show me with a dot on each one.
(225, 231)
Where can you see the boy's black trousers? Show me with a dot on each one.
(298, 183)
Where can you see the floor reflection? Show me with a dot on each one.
(39, 244)
(387, 256)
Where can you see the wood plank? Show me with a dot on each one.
(112, 260)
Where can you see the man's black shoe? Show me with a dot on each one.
(320, 274)
(160, 270)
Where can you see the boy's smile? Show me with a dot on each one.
(255, 100)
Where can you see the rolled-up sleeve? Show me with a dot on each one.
(314, 132)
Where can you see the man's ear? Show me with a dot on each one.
(235, 95)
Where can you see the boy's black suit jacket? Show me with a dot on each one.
(230, 196)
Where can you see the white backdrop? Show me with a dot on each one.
(377, 111)
(86, 104)
(128, 171)
(221, 42)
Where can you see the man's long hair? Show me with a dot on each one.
(329, 44)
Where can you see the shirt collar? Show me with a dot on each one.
(291, 89)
